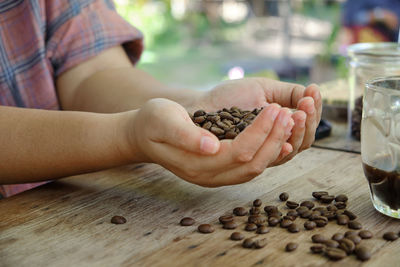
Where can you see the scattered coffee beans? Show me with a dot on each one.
(270, 209)
(293, 228)
(331, 243)
(225, 219)
(236, 236)
(260, 243)
(317, 249)
(340, 205)
(338, 236)
(354, 225)
(308, 204)
(240, 211)
(363, 254)
(318, 238)
(365, 234)
(327, 199)
(262, 229)
(187, 221)
(310, 225)
(347, 245)
(273, 221)
(319, 194)
(230, 225)
(335, 254)
(341, 198)
(292, 204)
(342, 219)
(205, 228)
(286, 223)
(118, 220)
(390, 236)
(291, 246)
(355, 238)
(250, 227)
(254, 211)
(350, 214)
(349, 233)
(284, 196)
(248, 243)
(257, 203)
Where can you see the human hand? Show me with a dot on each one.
(252, 93)
(162, 132)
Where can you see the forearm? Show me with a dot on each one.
(123, 89)
(39, 145)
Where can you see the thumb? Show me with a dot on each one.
(183, 134)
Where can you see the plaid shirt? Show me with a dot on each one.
(40, 40)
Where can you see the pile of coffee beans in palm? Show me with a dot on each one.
(225, 123)
(324, 209)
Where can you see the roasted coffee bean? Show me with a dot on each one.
(365, 234)
(340, 205)
(292, 218)
(308, 204)
(332, 208)
(293, 228)
(347, 245)
(306, 214)
(319, 194)
(254, 211)
(301, 210)
(207, 125)
(284, 196)
(363, 254)
(319, 218)
(320, 209)
(341, 198)
(276, 214)
(240, 211)
(270, 209)
(315, 215)
(318, 238)
(338, 236)
(248, 243)
(390, 236)
(217, 131)
(292, 213)
(205, 228)
(260, 221)
(354, 225)
(262, 229)
(292, 204)
(321, 223)
(226, 115)
(291, 246)
(230, 225)
(286, 223)
(355, 238)
(260, 243)
(199, 119)
(310, 225)
(349, 233)
(331, 243)
(241, 125)
(199, 113)
(253, 218)
(250, 227)
(226, 218)
(231, 134)
(327, 199)
(342, 219)
(187, 221)
(350, 214)
(273, 221)
(237, 236)
(118, 220)
(335, 254)
(331, 215)
(317, 249)
(257, 203)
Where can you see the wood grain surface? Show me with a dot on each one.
(67, 223)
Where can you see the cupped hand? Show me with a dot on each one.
(252, 93)
(162, 132)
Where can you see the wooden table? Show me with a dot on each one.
(67, 223)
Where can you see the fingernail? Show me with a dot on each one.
(284, 118)
(208, 145)
(310, 109)
(273, 112)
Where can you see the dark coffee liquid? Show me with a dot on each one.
(384, 185)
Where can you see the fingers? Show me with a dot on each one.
(313, 91)
(307, 105)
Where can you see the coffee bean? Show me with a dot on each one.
(254, 211)
(262, 229)
(341, 198)
(230, 225)
(335, 254)
(390, 236)
(301, 210)
(241, 125)
(350, 214)
(253, 218)
(217, 131)
(365, 234)
(199, 113)
(293, 228)
(118, 220)
(306, 214)
(286, 223)
(259, 220)
(257, 203)
(308, 204)
(226, 115)
(205, 228)
(330, 215)
(292, 218)
(237, 236)
(349, 233)
(292, 204)
(207, 125)
(354, 225)
(187, 221)
(347, 245)
(310, 225)
(284, 196)
(338, 236)
(240, 211)
(318, 238)
(273, 221)
(321, 223)
(332, 208)
(342, 219)
(250, 227)
(276, 214)
(225, 219)
(292, 213)
(363, 254)
(248, 243)
(317, 249)
(327, 199)
(270, 209)
(331, 243)
(319, 218)
(355, 238)
(319, 194)
(320, 209)
(340, 205)
(291, 246)
(260, 243)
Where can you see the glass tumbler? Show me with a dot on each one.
(380, 143)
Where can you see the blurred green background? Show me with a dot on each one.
(196, 44)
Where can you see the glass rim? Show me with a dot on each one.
(371, 84)
(374, 49)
